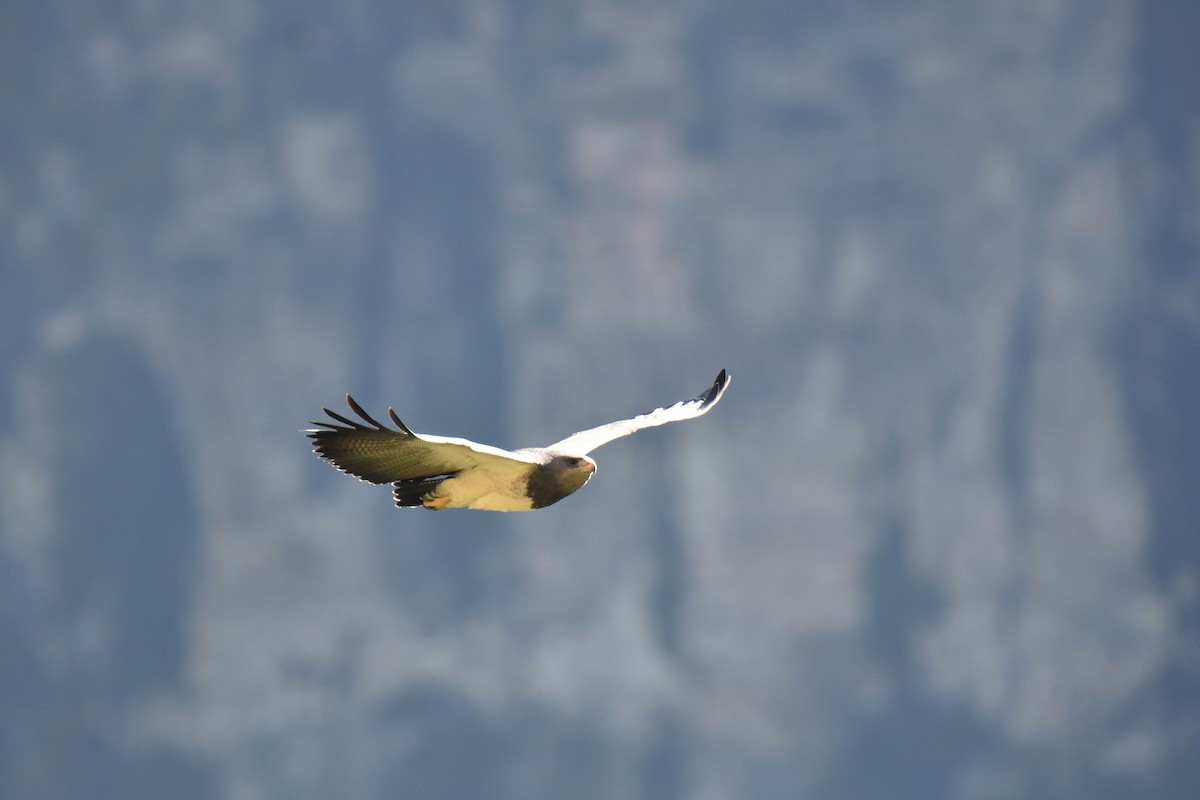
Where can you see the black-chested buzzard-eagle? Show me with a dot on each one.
(441, 472)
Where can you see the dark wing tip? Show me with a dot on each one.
(357, 409)
(399, 424)
(326, 428)
(715, 391)
(336, 416)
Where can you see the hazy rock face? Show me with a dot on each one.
(939, 540)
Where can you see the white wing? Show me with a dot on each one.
(584, 442)
(381, 455)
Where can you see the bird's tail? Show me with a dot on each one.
(414, 492)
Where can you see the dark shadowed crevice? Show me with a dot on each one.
(1157, 355)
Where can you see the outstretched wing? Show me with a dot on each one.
(378, 454)
(584, 442)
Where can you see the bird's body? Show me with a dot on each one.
(524, 488)
(441, 472)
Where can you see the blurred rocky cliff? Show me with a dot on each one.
(940, 540)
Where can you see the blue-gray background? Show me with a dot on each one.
(940, 540)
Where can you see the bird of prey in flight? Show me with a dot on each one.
(442, 472)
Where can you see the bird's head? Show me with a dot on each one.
(559, 475)
(572, 472)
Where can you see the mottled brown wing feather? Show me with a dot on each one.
(378, 454)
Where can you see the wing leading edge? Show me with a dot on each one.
(584, 442)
